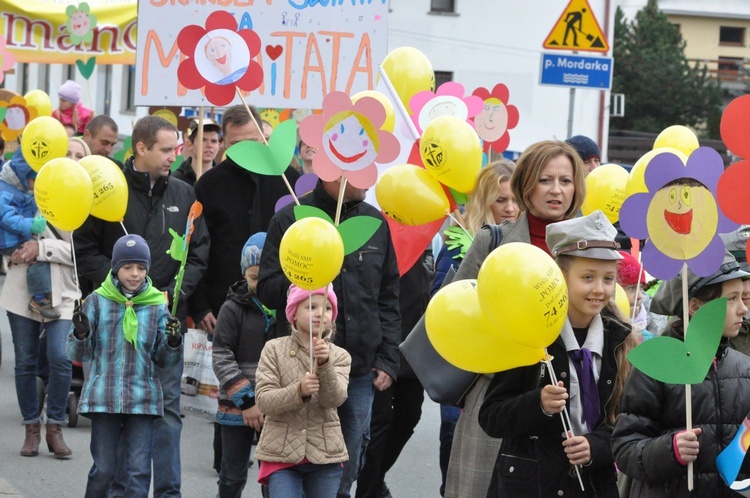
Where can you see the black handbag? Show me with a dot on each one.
(443, 382)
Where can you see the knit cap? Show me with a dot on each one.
(130, 249)
(585, 147)
(252, 250)
(70, 91)
(297, 295)
(628, 270)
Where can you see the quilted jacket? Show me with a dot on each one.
(297, 428)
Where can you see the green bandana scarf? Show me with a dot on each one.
(150, 296)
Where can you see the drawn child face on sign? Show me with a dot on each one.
(682, 218)
(16, 117)
(350, 141)
(80, 22)
(492, 122)
(222, 57)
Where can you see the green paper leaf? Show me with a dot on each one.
(356, 231)
(459, 197)
(177, 162)
(672, 361)
(3, 111)
(176, 247)
(86, 68)
(301, 212)
(272, 159)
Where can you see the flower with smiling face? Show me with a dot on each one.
(448, 100)
(350, 139)
(496, 118)
(219, 58)
(16, 115)
(80, 23)
(679, 214)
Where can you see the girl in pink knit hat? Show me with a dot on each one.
(70, 110)
(301, 448)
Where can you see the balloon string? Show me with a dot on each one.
(322, 321)
(123, 228)
(75, 263)
(637, 288)
(564, 415)
(458, 222)
(310, 329)
(260, 130)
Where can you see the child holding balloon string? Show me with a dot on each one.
(19, 224)
(649, 441)
(537, 457)
(301, 448)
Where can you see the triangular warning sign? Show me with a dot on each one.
(577, 29)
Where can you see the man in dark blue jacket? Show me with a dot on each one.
(369, 323)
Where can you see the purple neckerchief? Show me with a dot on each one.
(583, 361)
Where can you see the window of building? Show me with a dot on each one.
(24, 77)
(442, 6)
(731, 36)
(442, 76)
(128, 89)
(104, 87)
(677, 27)
(69, 72)
(43, 77)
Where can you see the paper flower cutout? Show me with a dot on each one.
(275, 116)
(304, 185)
(679, 214)
(6, 60)
(448, 100)
(127, 151)
(80, 23)
(354, 231)
(496, 118)
(350, 139)
(735, 126)
(219, 58)
(16, 115)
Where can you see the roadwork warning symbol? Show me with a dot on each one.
(577, 29)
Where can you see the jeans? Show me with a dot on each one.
(355, 415)
(166, 441)
(395, 413)
(25, 334)
(448, 419)
(113, 435)
(309, 480)
(236, 443)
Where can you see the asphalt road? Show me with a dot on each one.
(416, 474)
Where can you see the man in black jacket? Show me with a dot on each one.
(369, 323)
(236, 204)
(156, 203)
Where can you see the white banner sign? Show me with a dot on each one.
(307, 49)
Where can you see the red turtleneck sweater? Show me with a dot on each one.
(538, 232)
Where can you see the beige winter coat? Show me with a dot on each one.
(297, 428)
(15, 295)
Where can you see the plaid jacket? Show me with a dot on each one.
(122, 378)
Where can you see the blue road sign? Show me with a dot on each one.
(576, 71)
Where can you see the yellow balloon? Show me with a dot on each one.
(110, 188)
(63, 193)
(40, 100)
(390, 116)
(409, 195)
(678, 137)
(523, 294)
(452, 152)
(605, 190)
(44, 138)
(621, 301)
(636, 180)
(311, 253)
(460, 333)
(410, 72)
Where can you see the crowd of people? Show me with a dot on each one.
(315, 380)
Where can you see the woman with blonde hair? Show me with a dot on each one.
(491, 202)
(548, 184)
(77, 149)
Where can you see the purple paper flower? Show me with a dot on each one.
(679, 215)
(305, 183)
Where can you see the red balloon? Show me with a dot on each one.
(731, 191)
(735, 126)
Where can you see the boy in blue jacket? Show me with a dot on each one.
(124, 330)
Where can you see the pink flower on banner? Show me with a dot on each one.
(448, 100)
(496, 118)
(219, 58)
(6, 60)
(350, 139)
